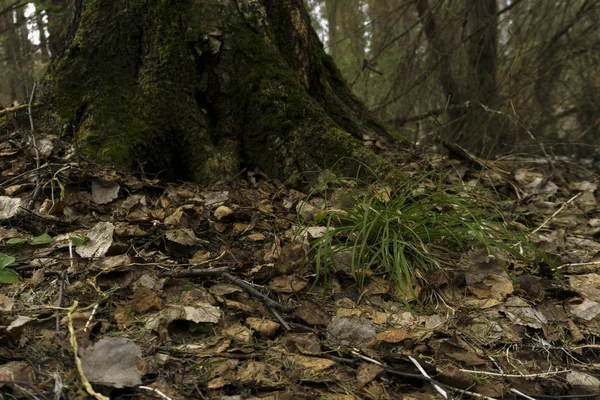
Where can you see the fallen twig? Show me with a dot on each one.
(422, 371)
(251, 290)
(198, 273)
(556, 213)
(541, 374)
(63, 276)
(283, 322)
(38, 186)
(421, 377)
(73, 341)
(155, 391)
(224, 272)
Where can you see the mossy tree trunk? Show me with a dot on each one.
(203, 88)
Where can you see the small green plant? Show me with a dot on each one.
(77, 240)
(396, 231)
(34, 240)
(7, 275)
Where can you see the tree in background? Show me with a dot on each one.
(486, 74)
(16, 51)
(23, 59)
(491, 75)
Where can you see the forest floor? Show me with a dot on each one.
(178, 291)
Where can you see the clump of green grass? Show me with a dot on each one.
(394, 231)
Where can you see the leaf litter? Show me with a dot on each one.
(179, 291)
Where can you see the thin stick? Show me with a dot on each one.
(248, 287)
(73, 341)
(515, 391)
(283, 322)
(556, 213)
(422, 371)
(156, 391)
(38, 186)
(542, 374)
(197, 273)
(63, 276)
(87, 324)
(579, 264)
(417, 376)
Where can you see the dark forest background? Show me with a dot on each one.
(497, 77)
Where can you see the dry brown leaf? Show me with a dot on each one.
(122, 316)
(312, 314)
(493, 286)
(588, 285)
(366, 372)
(145, 299)
(14, 371)
(112, 362)
(265, 328)
(238, 332)
(256, 237)
(314, 364)
(392, 335)
(288, 284)
(305, 343)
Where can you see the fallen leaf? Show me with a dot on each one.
(9, 207)
(265, 328)
(104, 192)
(315, 364)
(366, 372)
(352, 332)
(100, 238)
(112, 362)
(222, 212)
(288, 284)
(392, 335)
(586, 309)
(312, 314)
(588, 285)
(145, 299)
(16, 371)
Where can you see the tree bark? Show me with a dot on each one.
(202, 89)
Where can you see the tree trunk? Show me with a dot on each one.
(483, 55)
(202, 89)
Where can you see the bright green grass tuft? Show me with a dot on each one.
(394, 231)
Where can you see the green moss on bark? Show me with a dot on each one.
(198, 89)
